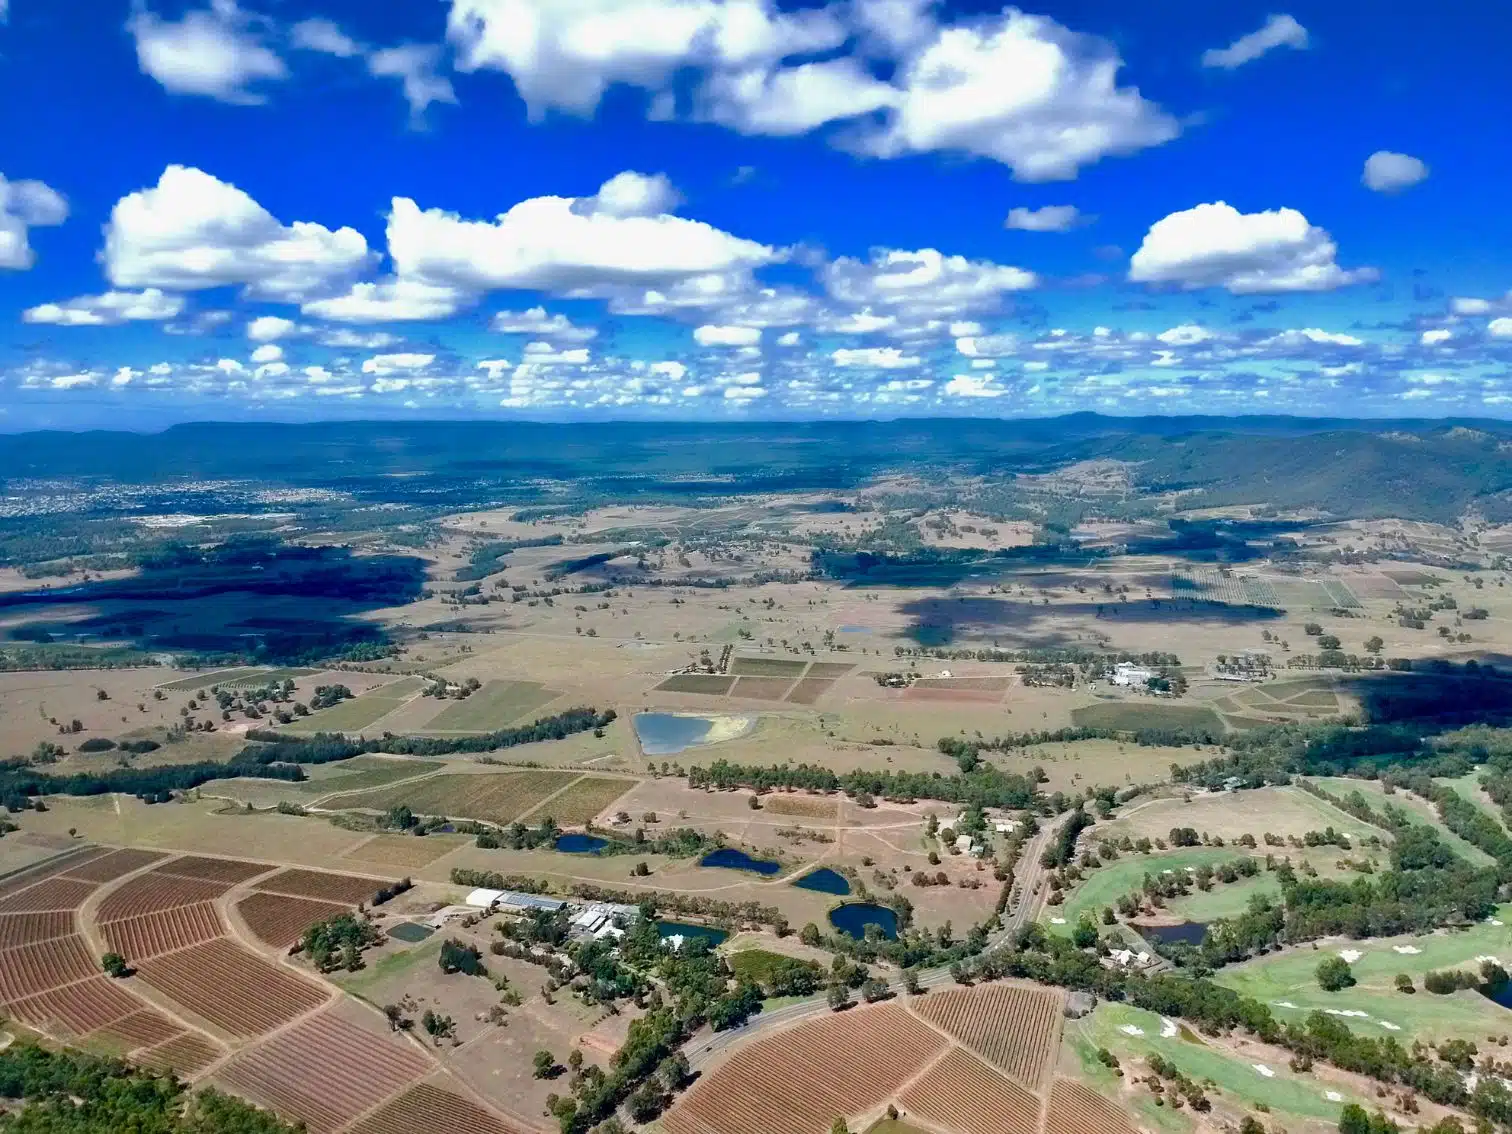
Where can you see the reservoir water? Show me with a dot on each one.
(687, 932)
(728, 858)
(853, 917)
(666, 734)
(579, 844)
(1186, 932)
(825, 881)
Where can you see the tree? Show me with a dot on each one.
(115, 965)
(839, 1127)
(1334, 974)
(1404, 983)
(545, 1065)
(1251, 1125)
(1084, 936)
(839, 997)
(911, 982)
(1374, 644)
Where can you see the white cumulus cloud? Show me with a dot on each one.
(194, 231)
(710, 335)
(266, 328)
(882, 358)
(415, 66)
(1048, 218)
(382, 364)
(1500, 328)
(393, 300)
(1215, 245)
(319, 34)
(110, 309)
(537, 322)
(25, 205)
(216, 52)
(924, 281)
(1277, 31)
(1388, 172)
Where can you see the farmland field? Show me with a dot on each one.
(494, 797)
(770, 1086)
(77, 1009)
(404, 851)
(142, 1029)
(29, 969)
(828, 669)
(768, 667)
(226, 870)
(28, 928)
(280, 920)
(432, 1110)
(1075, 1109)
(323, 886)
(963, 1093)
(1130, 716)
(809, 690)
(208, 678)
(231, 988)
(761, 688)
(188, 1054)
(48, 894)
(1013, 1027)
(109, 867)
(496, 704)
(357, 1070)
(714, 684)
(581, 803)
(138, 938)
(149, 893)
(361, 711)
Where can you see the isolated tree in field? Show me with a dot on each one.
(115, 965)
(545, 1065)
(911, 982)
(1404, 983)
(1374, 644)
(1334, 974)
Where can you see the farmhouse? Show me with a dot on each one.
(1127, 673)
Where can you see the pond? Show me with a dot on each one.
(410, 932)
(1186, 932)
(728, 858)
(853, 917)
(1499, 993)
(579, 844)
(688, 931)
(665, 734)
(824, 880)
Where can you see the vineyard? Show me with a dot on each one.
(143, 1028)
(77, 1009)
(962, 1093)
(279, 920)
(1075, 1109)
(154, 892)
(29, 969)
(188, 1054)
(138, 938)
(28, 928)
(348, 889)
(357, 1070)
(231, 988)
(48, 894)
(432, 1110)
(229, 871)
(796, 1082)
(1013, 1027)
(112, 865)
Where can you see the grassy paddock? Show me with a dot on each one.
(496, 704)
(1105, 885)
(494, 797)
(1130, 716)
(768, 667)
(359, 712)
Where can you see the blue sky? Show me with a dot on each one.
(705, 209)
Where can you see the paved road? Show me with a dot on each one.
(707, 1045)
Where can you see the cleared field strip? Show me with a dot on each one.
(348, 889)
(215, 677)
(809, 690)
(29, 969)
(494, 797)
(1013, 1027)
(188, 1053)
(29, 928)
(1130, 716)
(154, 892)
(829, 669)
(921, 692)
(768, 667)
(424, 1109)
(280, 921)
(404, 851)
(496, 704)
(144, 1028)
(990, 684)
(578, 804)
(138, 938)
(962, 1093)
(115, 864)
(360, 711)
(714, 684)
(231, 988)
(796, 1082)
(1075, 1109)
(357, 1069)
(379, 774)
(809, 807)
(77, 1009)
(761, 688)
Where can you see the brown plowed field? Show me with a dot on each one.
(280, 920)
(348, 888)
(188, 1053)
(29, 969)
(809, 690)
(49, 894)
(761, 688)
(1075, 1109)
(137, 938)
(141, 1029)
(798, 1081)
(353, 1070)
(966, 696)
(29, 928)
(109, 867)
(227, 870)
(79, 1008)
(425, 1109)
(1012, 1026)
(232, 988)
(156, 891)
(962, 1093)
